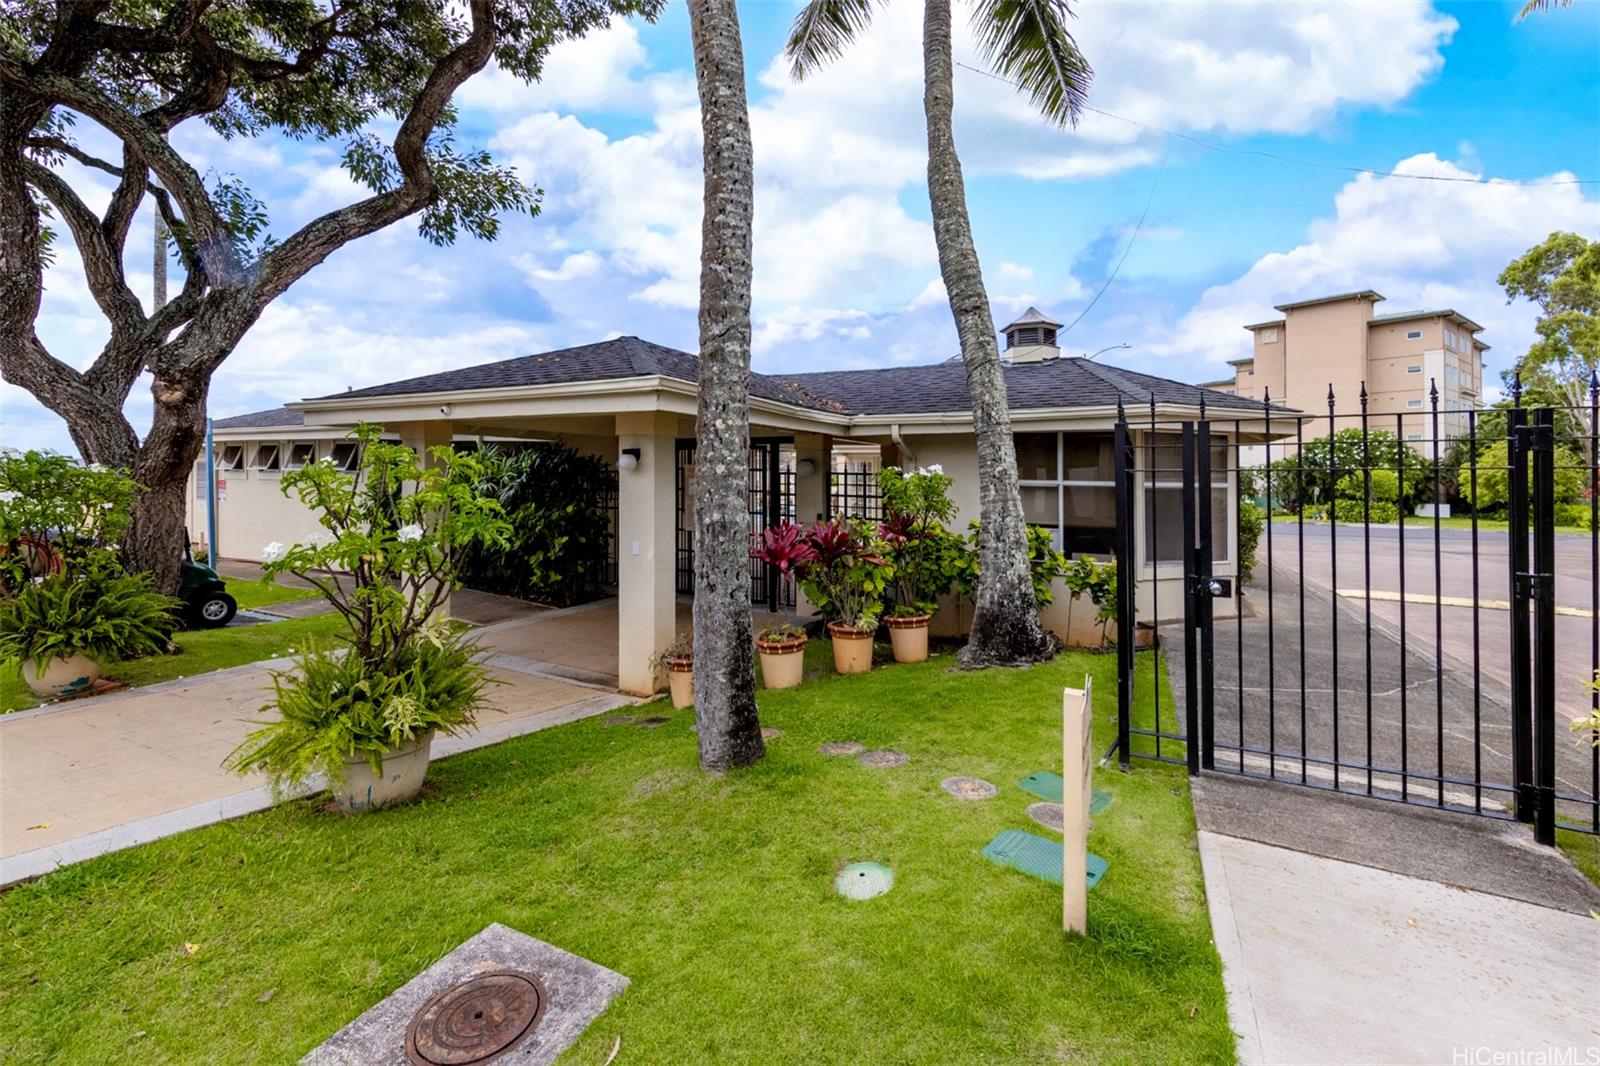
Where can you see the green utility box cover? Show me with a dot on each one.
(1048, 786)
(1036, 856)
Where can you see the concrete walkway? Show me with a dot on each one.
(83, 778)
(1473, 945)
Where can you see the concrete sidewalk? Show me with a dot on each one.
(1476, 944)
(83, 778)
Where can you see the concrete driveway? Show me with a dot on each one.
(1418, 691)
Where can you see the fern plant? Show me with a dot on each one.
(333, 708)
(61, 615)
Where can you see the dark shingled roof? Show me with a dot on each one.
(277, 418)
(925, 389)
(613, 360)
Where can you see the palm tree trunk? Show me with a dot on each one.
(1005, 623)
(724, 658)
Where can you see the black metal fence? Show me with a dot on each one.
(1386, 643)
(770, 489)
(855, 494)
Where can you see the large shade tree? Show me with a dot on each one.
(1561, 276)
(1026, 42)
(724, 659)
(77, 74)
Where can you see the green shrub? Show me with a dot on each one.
(1384, 512)
(101, 616)
(1494, 478)
(1575, 514)
(927, 557)
(59, 515)
(1084, 576)
(1251, 519)
(332, 708)
(558, 548)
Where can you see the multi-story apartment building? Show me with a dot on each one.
(1339, 341)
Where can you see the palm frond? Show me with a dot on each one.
(1027, 42)
(822, 30)
(1533, 7)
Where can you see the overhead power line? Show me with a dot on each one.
(1148, 200)
(1212, 146)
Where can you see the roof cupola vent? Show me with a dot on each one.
(1032, 338)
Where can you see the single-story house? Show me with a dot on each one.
(816, 440)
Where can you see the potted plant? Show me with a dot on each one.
(845, 578)
(364, 712)
(678, 661)
(782, 651)
(61, 627)
(924, 553)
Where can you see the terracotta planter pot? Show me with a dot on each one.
(61, 677)
(852, 649)
(680, 680)
(909, 637)
(782, 662)
(404, 770)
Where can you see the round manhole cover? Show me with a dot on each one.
(969, 788)
(475, 1021)
(1048, 815)
(885, 757)
(617, 719)
(843, 747)
(652, 721)
(864, 880)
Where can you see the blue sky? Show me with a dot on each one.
(845, 267)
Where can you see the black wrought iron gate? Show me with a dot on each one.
(1381, 647)
(771, 500)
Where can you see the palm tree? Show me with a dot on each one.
(724, 657)
(1026, 42)
(1535, 7)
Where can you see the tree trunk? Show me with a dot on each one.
(1005, 622)
(724, 658)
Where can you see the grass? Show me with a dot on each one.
(1583, 849)
(1485, 525)
(202, 650)
(712, 893)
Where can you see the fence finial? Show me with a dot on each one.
(1122, 416)
(1363, 397)
(1330, 398)
(1594, 383)
(1433, 392)
(1202, 405)
(1516, 388)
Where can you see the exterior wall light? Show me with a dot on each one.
(805, 468)
(629, 459)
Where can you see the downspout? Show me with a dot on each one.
(909, 457)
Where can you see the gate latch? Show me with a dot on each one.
(1214, 587)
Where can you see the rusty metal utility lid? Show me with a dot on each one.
(476, 1021)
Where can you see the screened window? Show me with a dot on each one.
(1413, 370)
(1414, 335)
(345, 455)
(269, 458)
(302, 454)
(1413, 403)
(1069, 487)
(1161, 455)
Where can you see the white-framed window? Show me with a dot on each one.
(1413, 436)
(1413, 403)
(1161, 456)
(302, 453)
(1069, 487)
(1413, 335)
(1413, 370)
(1250, 373)
(200, 479)
(231, 457)
(269, 458)
(346, 455)
(1450, 338)
(1269, 336)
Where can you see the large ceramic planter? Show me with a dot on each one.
(61, 677)
(401, 777)
(782, 662)
(680, 680)
(852, 648)
(908, 636)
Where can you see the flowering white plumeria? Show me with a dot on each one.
(273, 552)
(934, 469)
(410, 532)
(319, 538)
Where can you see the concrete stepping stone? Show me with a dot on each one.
(769, 733)
(653, 721)
(842, 747)
(969, 788)
(617, 719)
(883, 758)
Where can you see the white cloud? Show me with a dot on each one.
(1420, 243)
(607, 70)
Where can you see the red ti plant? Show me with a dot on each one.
(846, 573)
(786, 548)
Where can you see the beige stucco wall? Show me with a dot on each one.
(252, 510)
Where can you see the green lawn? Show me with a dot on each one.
(1583, 849)
(1485, 525)
(712, 893)
(205, 649)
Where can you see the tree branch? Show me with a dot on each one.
(102, 266)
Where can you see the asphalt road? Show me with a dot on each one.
(1419, 691)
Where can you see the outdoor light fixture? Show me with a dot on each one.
(805, 468)
(629, 459)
